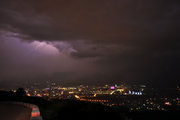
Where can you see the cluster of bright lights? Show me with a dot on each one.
(135, 93)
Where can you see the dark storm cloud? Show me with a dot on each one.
(129, 40)
(95, 20)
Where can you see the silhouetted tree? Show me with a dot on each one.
(20, 92)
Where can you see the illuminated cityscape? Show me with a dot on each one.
(135, 98)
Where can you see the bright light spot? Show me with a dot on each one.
(39, 95)
(112, 87)
(71, 92)
(167, 103)
(76, 96)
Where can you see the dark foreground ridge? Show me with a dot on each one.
(72, 109)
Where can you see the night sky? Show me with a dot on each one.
(93, 42)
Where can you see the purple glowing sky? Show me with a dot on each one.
(90, 42)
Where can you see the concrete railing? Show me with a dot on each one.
(35, 113)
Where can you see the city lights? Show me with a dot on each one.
(136, 98)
